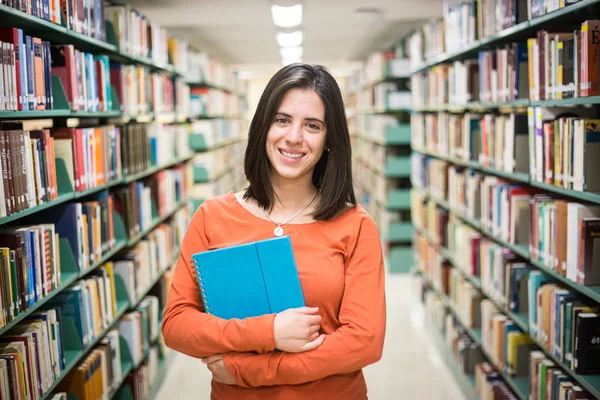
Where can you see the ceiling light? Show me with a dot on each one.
(287, 17)
(287, 61)
(292, 39)
(291, 52)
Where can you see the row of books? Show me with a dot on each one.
(153, 144)
(100, 374)
(26, 81)
(468, 353)
(49, 10)
(136, 35)
(32, 353)
(204, 68)
(220, 159)
(505, 346)
(215, 102)
(384, 95)
(28, 170)
(31, 356)
(219, 130)
(377, 67)
(552, 65)
(30, 262)
(373, 126)
(548, 144)
(167, 142)
(142, 379)
(510, 282)
(141, 202)
(139, 266)
(29, 65)
(91, 156)
(465, 22)
(557, 232)
(232, 180)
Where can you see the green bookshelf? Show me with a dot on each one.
(465, 382)
(520, 30)
(520, 386)
(570, 18)
(61, 115)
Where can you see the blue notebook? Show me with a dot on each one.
(249, 280)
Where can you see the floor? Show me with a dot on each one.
(411, 367)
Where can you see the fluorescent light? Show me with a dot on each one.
(288, 61)
(291, 52)
(287, 17)
(292, 39)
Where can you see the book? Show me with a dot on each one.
(249, 280)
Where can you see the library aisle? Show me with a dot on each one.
(411, 363)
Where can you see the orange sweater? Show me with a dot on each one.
(341, 271)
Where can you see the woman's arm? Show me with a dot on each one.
(187, 328)
(356, 344)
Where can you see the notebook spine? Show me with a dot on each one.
(202, 288)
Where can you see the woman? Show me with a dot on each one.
(298, 165)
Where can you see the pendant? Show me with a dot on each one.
(278, 231)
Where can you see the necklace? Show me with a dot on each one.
(278, 231)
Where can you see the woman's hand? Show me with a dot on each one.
(297, 330)
(216, 365)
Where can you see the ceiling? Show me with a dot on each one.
(242, 32)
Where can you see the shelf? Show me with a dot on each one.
(466, 383)
(583, 196)
(139, 236)
(513, 176)
(164, 366)
(399, 232)
(66, 282)
(520, 30)
(71, 195)
(398, 200)
(153, 170)
(44, 206)
(590, 382)
(58, 34)
(77, 360)
(520, 386)
(197, 143)
(216, 87)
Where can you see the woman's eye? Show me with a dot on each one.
(281, 120)
(314, 127)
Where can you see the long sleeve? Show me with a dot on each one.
(357, 343)
(186, 327)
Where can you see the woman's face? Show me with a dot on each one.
(296, 138)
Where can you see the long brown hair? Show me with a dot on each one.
(333, 172)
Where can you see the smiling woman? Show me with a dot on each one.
(298, 165)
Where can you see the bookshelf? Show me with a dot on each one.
(503, 197)
(94, 197)
(219, 128)
(377, 103)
